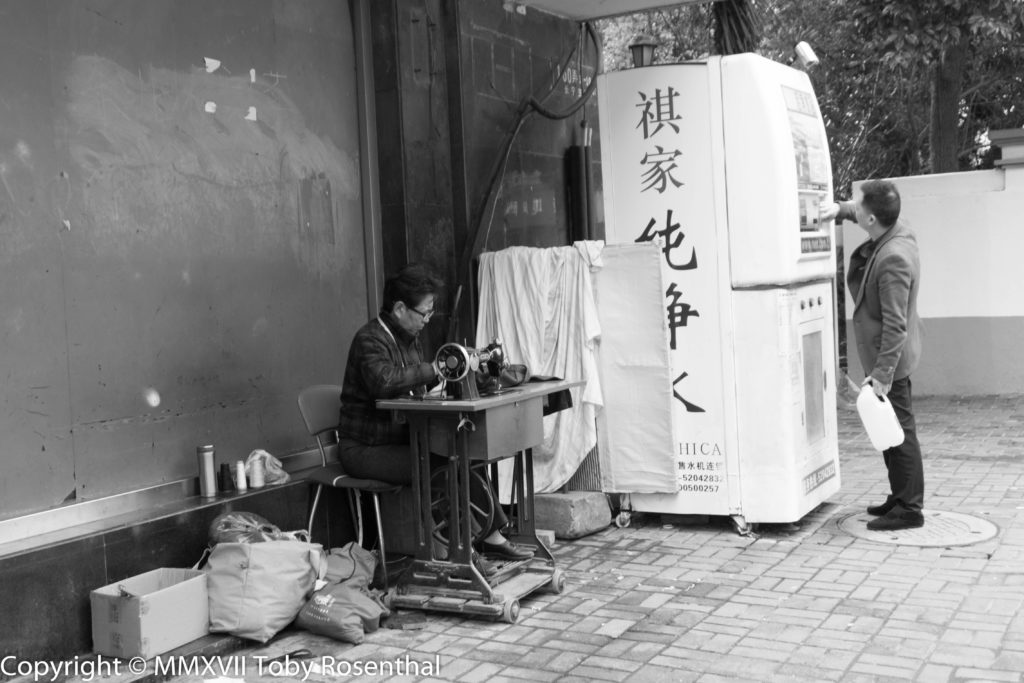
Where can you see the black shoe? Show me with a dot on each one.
(879, 510)
(897, 518)
(507, 550)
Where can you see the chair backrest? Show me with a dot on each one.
(320, 406)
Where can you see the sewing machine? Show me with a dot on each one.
(474, 433)
(460, 366)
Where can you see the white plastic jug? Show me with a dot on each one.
(879, 419)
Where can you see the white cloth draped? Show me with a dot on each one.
(540, 304)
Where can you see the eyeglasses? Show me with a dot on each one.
(426, 316)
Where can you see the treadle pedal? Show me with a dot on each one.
(503, 563)
(442, 602)
(411, 600)
(506, 569)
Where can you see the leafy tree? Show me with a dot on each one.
(970, 52)
(877, 126)
(905, 88)
(682, 34)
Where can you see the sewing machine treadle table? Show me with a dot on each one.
(477, 432)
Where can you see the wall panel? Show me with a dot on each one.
(170, 225)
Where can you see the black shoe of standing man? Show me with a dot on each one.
(879, 510)
(897, 518)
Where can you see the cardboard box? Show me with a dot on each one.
(149, 614)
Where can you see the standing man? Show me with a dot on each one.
(883, 279)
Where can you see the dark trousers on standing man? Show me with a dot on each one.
(904, 463)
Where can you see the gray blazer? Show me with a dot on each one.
(883, 282)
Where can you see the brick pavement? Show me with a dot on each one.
(806, 602)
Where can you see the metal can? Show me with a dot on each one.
(207, 475)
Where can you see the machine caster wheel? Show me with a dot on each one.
(622, 519)
(510, 611)
(557, 583)
(742, 527)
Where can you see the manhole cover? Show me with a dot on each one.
(941, 529)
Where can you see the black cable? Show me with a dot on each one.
(573, 108)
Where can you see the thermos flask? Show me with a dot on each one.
(207, 476)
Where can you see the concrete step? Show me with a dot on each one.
(572, 514)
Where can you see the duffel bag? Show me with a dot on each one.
(256, 589)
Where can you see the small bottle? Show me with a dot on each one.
(240, 484)
(207, 477)
(256, 476)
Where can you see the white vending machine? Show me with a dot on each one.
(724, 163)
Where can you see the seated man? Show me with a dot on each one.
(386, 360)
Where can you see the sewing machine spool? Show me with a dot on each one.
(460, 366)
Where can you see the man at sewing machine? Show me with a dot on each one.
(386, 360)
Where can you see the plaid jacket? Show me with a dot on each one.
(384, 361)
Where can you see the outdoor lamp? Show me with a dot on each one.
(642, 50)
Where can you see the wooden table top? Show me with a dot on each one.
(511, 395)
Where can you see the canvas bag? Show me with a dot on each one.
(351, 564)
(256, 589)
(342, 611)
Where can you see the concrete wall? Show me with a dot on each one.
(151, 242)
(968, 227)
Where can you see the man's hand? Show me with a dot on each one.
(827, 211)
(879, 388)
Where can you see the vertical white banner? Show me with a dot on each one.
(657, 147)
(635, 428)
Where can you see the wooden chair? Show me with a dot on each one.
(320, 405)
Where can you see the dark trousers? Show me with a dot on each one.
(904, 463)
(393, 463)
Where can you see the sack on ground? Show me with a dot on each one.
(241, 527)
(343, 612)
(248, 527)
(256, 589)
(351, 564)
